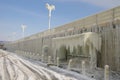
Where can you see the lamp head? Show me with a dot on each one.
(53, 7)
(23, 26)
(50, 7)
(47, 5)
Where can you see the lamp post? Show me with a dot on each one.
(23, 30)
(23, 34)
(50, 8)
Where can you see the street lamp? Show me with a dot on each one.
(50, 8)
(23, 34)
(23, 30)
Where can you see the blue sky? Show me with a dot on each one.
(33, 13)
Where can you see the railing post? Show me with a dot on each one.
(83, 67)
(106, 72)
(58, 62)
(69, 64)
(49, 59)
(42, 58)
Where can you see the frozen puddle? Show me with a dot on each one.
(13, 67)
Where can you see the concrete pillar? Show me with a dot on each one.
(106, 72)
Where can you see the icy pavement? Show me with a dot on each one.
(13, 67)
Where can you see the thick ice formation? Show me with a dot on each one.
(90, 42)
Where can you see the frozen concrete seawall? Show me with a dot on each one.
(12, 67)
(106, 24)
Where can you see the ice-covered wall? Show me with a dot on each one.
(90, 42)
(106, 23)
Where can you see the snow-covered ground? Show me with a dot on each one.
(13, 67)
